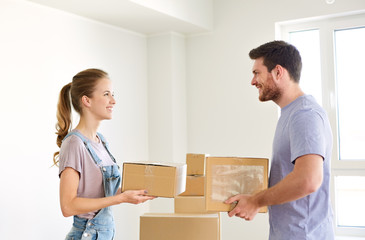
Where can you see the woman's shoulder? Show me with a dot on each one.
(72, 143)
(72, 153)
(72, 139)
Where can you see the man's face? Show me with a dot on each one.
(264, 82)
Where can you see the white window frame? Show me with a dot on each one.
(327, 25)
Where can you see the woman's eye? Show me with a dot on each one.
(106, 94)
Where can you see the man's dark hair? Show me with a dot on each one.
(279, 53)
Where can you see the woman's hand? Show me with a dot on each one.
(134, 196)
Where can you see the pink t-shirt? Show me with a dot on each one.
(73, 154)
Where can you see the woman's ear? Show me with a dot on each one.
(85, 101)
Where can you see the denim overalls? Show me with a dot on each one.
(101, 227)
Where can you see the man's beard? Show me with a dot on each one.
(269, 92)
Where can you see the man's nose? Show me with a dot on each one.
(253, 82)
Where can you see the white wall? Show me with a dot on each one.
(40, 51)
(225, 117)
(166, 104)
(167, 97)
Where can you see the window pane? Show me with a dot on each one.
(307, 42)
(350, 51)
(350, 199)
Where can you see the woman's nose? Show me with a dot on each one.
(112, 100)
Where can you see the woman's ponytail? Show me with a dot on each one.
(63, 125)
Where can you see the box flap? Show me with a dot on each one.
(167, 164)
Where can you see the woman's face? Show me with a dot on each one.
(102, 100)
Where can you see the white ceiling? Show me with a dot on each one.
(124, 14)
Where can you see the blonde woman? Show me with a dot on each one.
(89, 176)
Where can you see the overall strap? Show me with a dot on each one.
(87, 145)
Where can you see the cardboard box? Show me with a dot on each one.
(195, 164)
(194, 186)
(170, 226)
(160, 179)
(229, 176)
(190, 204)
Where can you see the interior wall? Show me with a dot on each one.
(166, 104)
(41, 50)
(167, 97)
(225, 117)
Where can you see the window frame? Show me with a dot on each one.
(327, 25)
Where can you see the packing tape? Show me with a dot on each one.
(148, 174)
(230, 180)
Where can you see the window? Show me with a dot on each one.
(307, 42)
(349, 52)
(332, 52)
(350, 189)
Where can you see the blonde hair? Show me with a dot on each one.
(83, 84)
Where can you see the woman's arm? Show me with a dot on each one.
(73, 205)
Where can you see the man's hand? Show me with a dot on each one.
(246, 207)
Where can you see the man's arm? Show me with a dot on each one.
(305, 179)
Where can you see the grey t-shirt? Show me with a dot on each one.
(74, 154)
(303, 128)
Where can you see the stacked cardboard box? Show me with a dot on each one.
(190, 220)
(195, 175)
(193, 199)
(176, 226)
(212, 180)
(209, 182)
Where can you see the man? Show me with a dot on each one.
(298, 195)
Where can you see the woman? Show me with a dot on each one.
(89, 175)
